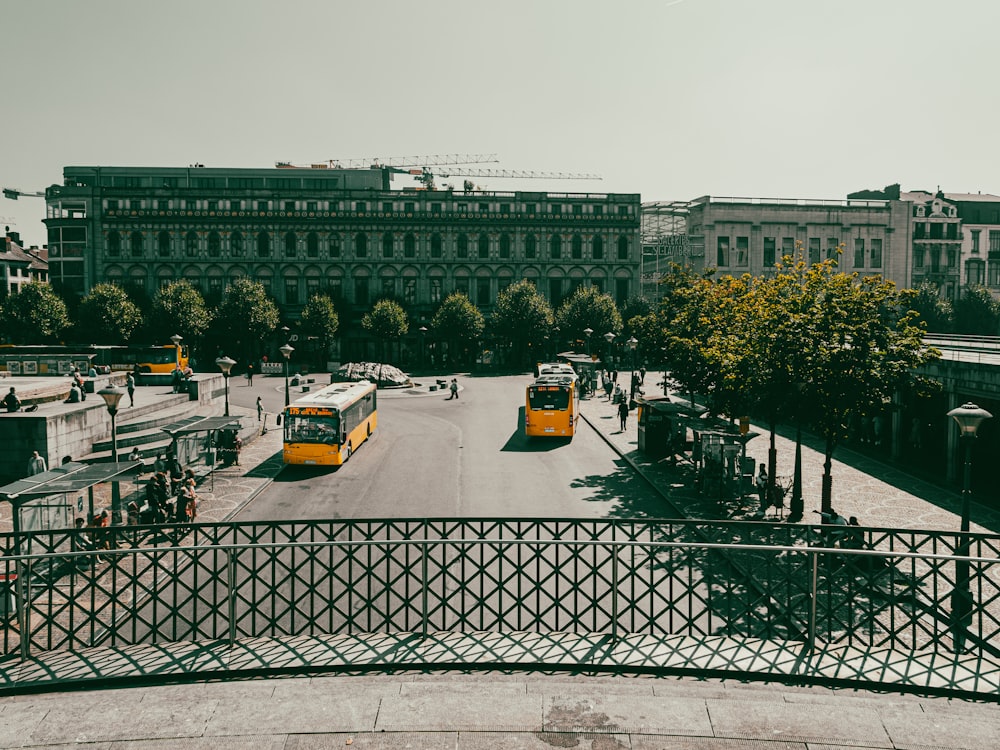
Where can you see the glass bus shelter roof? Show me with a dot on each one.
(71, 477)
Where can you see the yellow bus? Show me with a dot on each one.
(43, 359)
(552, 406)
(324, 428)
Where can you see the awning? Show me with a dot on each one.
(68, 478)
(201, 424)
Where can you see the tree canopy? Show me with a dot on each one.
(179, 308)
(246, 316)
(588, 307)
(386, 320)
(320, 319)
(459, 323)
(34, 315)
(521, 320)
(106, 316)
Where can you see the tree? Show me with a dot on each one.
(106, 315)
(246, 316)
(634, 307)
(522, 318)
(977, 313)
(320, 319)
(588, 307)
(179, 308)
(35, 315)
(386, 321)
(936, 312)
(459, 323)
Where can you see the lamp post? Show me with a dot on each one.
(609, 337)
(286, 352)
(112, 394)
(968, 416)
(632, 342)
(555, 341)
(587, 332)
(226, 364)
(423, 345)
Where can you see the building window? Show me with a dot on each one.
(136, 242)
(191, 244)
(236, 243)
(722, 251)
(556, 209)
(387, 245)
(598, 284)
(463, 246)
(409, 246)
(577, 245)
(621, 291)
(163, 244)
(994, 241)
(410, 291)
(814, 250)
(263, 245)
(787, 246)
(409, 207)
(289, 205)
(484, 246)
(312, 287)
(974, 273)
(598, 210)
(114, 244)
(360, 207)
(435, 245)
(742, 251)
(435, 208)
(859, 252)
(462, 285)
(335, 246)
(952, 257)
(361, 245)
(555, 247)
(311, 206)
(623, 247)
(623, 211)
(770, 251)
(312, 245)
(484, 207)
(483, 292)
(290, 244)
(335, 288)
(831, 247)
(597, 246)
(262, 205)
(504, 245)
(388, 287)
(386, 207)
(555, 292)
(361, 290)
(215, 286)
(918, 257)
(530, 246)
(435, 291)
(214, 245)
(994, 273)
(876, 253)
(974, 233)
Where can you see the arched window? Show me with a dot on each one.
(409, 246)
(577, 247)
(136, 244)
(290, 244)
(387, 245)
(114, 244)
(264, 245)
(623, 248)
(312, 245)
(555, 247)
(504, 245)
(191, 244)
(163, 243)
(463, 246)
(530, 246)
(484, 245)
(435, 245)
(361, 245)
(236, 244)
(597, 248)
(214, 245)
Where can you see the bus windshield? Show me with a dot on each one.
(312, 429)
(549, 397)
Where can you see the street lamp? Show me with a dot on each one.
(423, 346)
(286, 351)
(609, 337)
(226, 364)
(968, 416)
(633, 342)
(112, 394)
(587, 332)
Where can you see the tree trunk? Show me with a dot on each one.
(827, 502)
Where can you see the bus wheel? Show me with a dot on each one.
(347, 453)
(369, 427)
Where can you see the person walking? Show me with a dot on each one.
(453, 388)
(36, 464)
(130, 387)
(623, 413)
(250, 374)
(11, 402)
(260, 409)
(761, 484)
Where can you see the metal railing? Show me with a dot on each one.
(751, 580)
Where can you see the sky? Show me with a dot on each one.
(672, 99)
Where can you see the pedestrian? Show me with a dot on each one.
(177, 379)
(608, 386)
(260, 409)
(250, 374)
(130, 387)
(761, 484)
(36, 464)
(11, 402)
(135, 455)
(833, 518)
(623, 413)
(453, 388)
(75, 394)
(642, 374)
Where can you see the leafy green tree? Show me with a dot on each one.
(521, 319)
(106, 315)
(35, 315)
(246, 316)
(386, 322)
(937, 313)
(179, 308)
(977, 313)
(459, 323)
(634, 307)
(588, 307)
(320, 319)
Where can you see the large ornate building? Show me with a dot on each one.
(301, 230)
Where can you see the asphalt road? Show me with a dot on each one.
(432, 457)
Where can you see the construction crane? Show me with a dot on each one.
(395, 162)
(427, 177)
(13, 194)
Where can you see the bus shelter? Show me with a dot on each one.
(199, 441)
(720, 457)
(585, 365)
(663, 426)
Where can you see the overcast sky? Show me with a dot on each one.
(671, 99)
